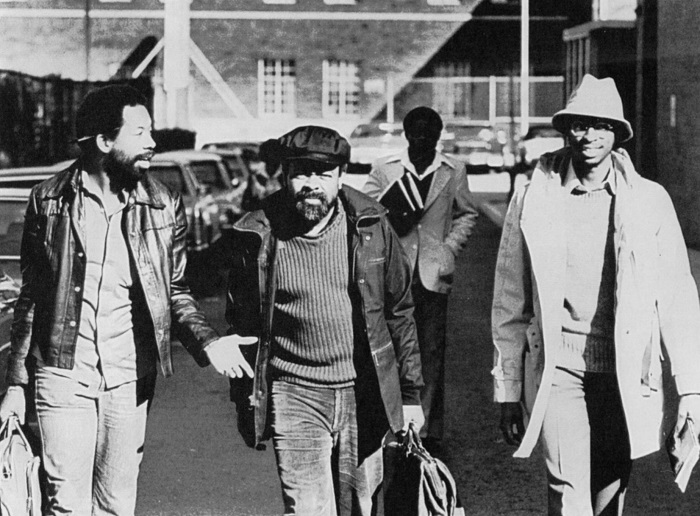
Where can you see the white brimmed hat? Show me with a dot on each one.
(597, 98)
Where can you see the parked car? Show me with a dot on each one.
(13, 204)
(209, 175)
(538, 140)
(481, 147)
(374, 140)
(247, 168)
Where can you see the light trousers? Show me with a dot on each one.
(92, 442)
(586, 445)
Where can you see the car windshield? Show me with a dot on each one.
(171, 176)
(543, 132)
(370, 130)
(207, 173)
(236, 168)
(11, 225)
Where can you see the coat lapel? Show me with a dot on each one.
(440, 179)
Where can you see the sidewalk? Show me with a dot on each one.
(495, 209)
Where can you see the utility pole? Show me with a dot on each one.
(176, 62)
(524, 67)
(88, 39)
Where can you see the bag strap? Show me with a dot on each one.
(11, 426)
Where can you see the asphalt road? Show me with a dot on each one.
(196, 464)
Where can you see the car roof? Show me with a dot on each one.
(186, 156)
(15, 194)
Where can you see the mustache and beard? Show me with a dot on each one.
(122, 170)
(311, 214)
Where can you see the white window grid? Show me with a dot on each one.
(341, 88)
(288, 2)
(276, 87)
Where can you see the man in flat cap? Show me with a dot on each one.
(592, 288)
(319, 276)
(434, 217)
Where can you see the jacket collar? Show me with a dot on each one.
(554, 168)
(68, 182)
(403, 158)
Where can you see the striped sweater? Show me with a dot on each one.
(312, 323)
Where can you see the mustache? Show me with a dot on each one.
(145, 156)
(302, 196)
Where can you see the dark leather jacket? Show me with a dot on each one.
(387, 358)
(47, 313)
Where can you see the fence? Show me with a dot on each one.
(37, 116)
(482, 100)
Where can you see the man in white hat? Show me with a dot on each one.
(592, 281)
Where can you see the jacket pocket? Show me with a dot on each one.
(384, 355)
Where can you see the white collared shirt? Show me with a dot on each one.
(406, 162)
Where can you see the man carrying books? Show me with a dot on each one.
(431, 209)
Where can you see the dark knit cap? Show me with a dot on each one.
(308, 142)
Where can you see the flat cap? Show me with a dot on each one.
(315, 143)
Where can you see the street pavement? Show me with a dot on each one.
(196, 464)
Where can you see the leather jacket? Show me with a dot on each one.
(53, 262)
(388, 359)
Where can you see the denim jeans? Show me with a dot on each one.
(316, 445)
(430, 314)
(586, 446)
(92, 442)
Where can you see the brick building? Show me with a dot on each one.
(263, 66)
(677, 72)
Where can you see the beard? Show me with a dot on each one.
(122, 170)
(313, 213)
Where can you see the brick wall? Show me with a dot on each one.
(679, 75)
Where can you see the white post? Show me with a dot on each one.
(524, 66)
(390, 98)
(176, 62)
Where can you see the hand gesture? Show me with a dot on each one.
(226, 357)
(512, 424)
(13, 403)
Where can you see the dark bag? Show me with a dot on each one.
(19, 476)
(417, 484)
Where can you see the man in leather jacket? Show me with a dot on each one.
(319, 276)
(103, 262)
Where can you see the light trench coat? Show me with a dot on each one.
(656, 300)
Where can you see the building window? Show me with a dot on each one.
(115, 1)
(279, 1)
(276, 86)
(444, 2)
(340, 2)
(578, 61)
(341, 88)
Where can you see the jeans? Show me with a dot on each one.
(316, 445)
(430, 314)
(586, 445)
(92, 442)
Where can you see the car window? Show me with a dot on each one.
(207, 173)
(171, 176)
(543, 132)
(235, 168)
(11, 225)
